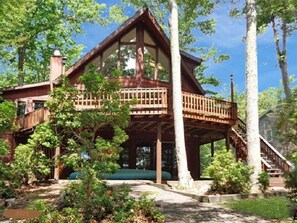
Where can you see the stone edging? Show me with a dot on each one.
(219, 198)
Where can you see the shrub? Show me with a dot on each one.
(107, 204)
(228, 175)
(263, 180)
(291, 181)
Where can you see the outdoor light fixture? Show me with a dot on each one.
(57, 52)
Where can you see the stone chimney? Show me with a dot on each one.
(56, 65)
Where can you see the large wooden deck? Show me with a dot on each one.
(150, 101)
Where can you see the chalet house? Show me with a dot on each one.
(140, 48)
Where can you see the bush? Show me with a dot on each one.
(291, 181)
(228, 176)
(108, 204)
(263, 180)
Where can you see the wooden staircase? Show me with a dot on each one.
(272, 161)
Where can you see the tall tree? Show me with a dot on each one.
(281, 15)
(184, 176)
(252, 120)
(30, 29)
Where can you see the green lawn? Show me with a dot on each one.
(268, 208)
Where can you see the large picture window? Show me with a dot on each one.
(156, 63)
(121, 56)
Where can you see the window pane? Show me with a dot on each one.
(110, 59)
(143, 157)
(130, 36)
(148, 39)
(163, 67)
(128, 60)
(149, 62)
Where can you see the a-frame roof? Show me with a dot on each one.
(142, 15)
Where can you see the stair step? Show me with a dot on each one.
(274, 170)
(276, 174)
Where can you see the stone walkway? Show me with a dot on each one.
(177, 208)
(183, 209)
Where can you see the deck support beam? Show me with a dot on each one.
(212, 148)
(159, 154)
(228, 140)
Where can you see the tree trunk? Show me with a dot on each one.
(282, 55)
(21, 61)
(252, 119)
(185, 179)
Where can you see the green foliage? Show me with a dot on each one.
(30, 159)
(32, 28)
(7, 115)
(263, 180)
(291, 180)
(268, 99)
(51, 215)
(108, 204)
(87, 149)
(276, 208)
(228, 175)
(287, 122)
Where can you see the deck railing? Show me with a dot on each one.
(148, 101)
(207, 107)
(32, 119)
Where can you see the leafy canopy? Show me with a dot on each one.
(32, 28)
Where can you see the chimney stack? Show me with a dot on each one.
(56, 66)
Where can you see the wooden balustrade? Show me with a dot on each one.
(211, 109)
(32, 119)
(274, 155)
(148, 101)
(268, 150)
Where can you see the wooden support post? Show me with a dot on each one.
(232, 88)
(139, 54)
(212, 149)
(159, 154)
(57, 166)
(228, 140)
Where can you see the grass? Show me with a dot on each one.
(277, 208)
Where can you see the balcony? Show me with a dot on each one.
(149, 101)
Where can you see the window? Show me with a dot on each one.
(156, 63)
(149, 62)
(128, 60)
(110, 60)
(144, 156)
(269, 135)
(121, 56)
(163, 67)
(21, 109)
(38, 104)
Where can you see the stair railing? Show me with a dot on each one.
(267, 149)
(278, 159)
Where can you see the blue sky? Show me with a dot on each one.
(228, 39)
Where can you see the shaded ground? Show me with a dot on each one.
(176, 207)
(182, 209)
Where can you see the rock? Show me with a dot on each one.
(60, 201)
(9, 202)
